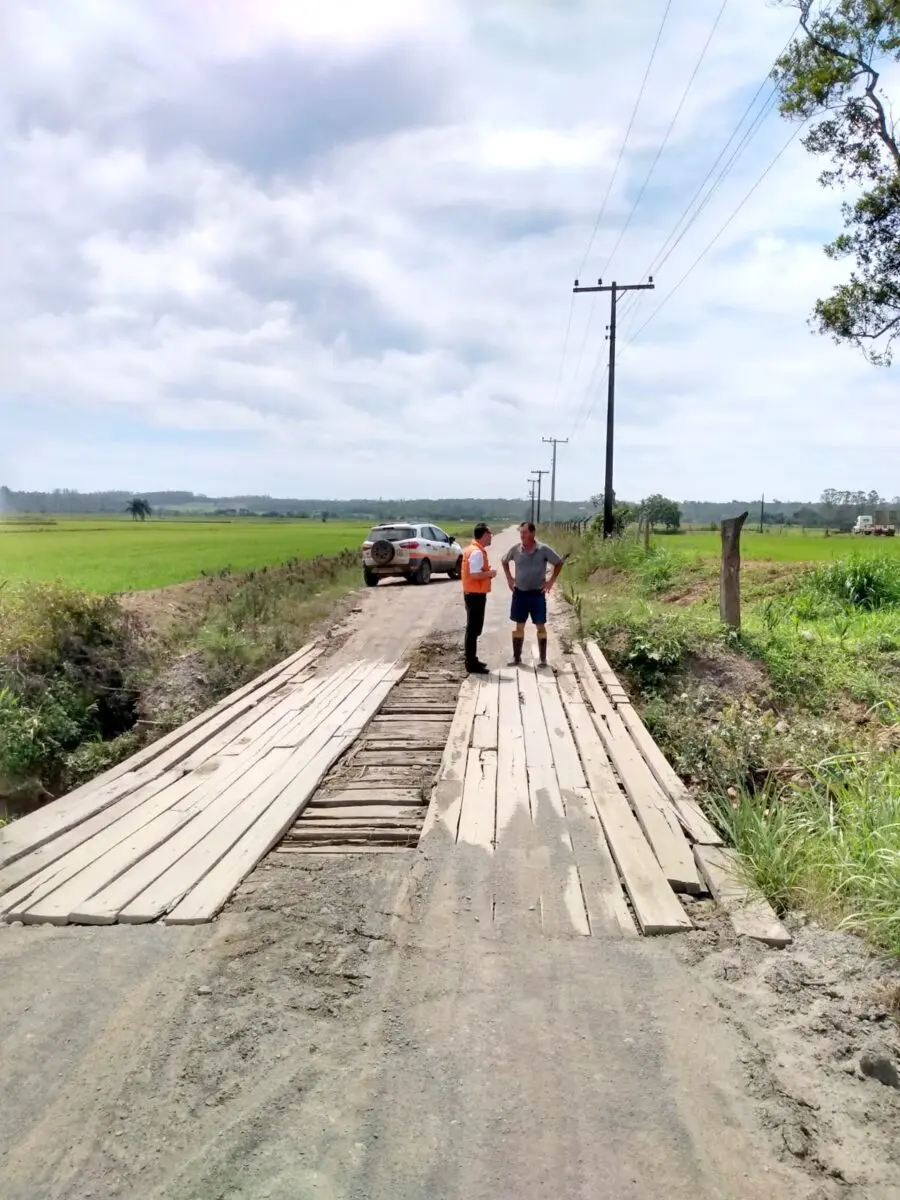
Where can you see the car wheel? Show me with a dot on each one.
(371, 578)
(423, 575)
(455, 571)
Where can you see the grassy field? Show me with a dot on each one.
(114, 555)
(784, 545)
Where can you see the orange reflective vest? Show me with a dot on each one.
(475, 585)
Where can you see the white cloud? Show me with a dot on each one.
(339, 240)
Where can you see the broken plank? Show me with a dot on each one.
(484, 729)
(655, 905)
(323, 801)
(750, 913)
(653, 809)
(369, 811)
(479, 801)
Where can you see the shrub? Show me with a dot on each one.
(867, 582)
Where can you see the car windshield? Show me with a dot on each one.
(391, 533)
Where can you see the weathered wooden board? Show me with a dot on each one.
(34, 830)
(208, 896)
(484, 729)
(446, 798)
(603, 896)
(653, 809)
(477, 819)
(655, 905)
(691, 815)
(750, 913)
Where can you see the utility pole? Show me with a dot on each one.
(531, 484)
(554, 442)
(762, 513)
(540, 474)
(615, 290)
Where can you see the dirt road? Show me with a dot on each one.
(347, 1031)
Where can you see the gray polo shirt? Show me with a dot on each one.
(531, 566)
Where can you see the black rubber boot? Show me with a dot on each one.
(542, 651)
(517, 651)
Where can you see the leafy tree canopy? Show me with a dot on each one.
(830, 76)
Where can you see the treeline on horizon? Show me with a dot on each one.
(833, 507)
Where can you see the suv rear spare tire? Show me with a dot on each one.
(383, 553)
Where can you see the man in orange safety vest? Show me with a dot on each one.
(477, 575)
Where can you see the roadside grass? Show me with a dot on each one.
(830, 847)
(83, 684)
(788, 731)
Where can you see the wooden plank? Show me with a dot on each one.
(58, 817)
(517, 882)
(513, 801)
(653, 809)
(205, 899)
(78, 872)
(477, 819)
(484, 729)
(250, 779)
(402, 757)
(446, 798)
(369, 811)
(562, 905)
(750, 913)
(336, 850)
(569, 771)
(385, 796)
(656, 907)
(691, 815)
(604, 899)
(350, 827)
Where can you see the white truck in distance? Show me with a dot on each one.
(882, 524)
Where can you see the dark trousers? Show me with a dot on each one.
(476, 603)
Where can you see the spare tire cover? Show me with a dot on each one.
(383, 553)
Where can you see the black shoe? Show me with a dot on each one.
(478, 669)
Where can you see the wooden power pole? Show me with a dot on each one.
(540, 475)
(615, 290)
(554, 442)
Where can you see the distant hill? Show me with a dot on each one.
(469, 509)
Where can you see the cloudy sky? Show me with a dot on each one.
(327, 249)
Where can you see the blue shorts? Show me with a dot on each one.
(528, 604)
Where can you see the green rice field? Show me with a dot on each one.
(782, 545)
(105, 555)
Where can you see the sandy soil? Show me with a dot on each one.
(346, 1030)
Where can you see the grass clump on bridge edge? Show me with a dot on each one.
(790, 730)
(84, 682)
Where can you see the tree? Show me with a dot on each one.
(659, 510)
(139, 509)
(623, 515)
(829, 76)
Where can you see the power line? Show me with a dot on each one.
(634, 113)
(562, 361)
(662, 255)
(668, 134)
(713, 241)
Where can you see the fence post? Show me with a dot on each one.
(730, 576)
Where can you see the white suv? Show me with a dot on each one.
(414, 551)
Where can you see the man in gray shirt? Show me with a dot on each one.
(530, 587)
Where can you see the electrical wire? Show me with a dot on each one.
(634, 113)
(703, 253)
(667, 136)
